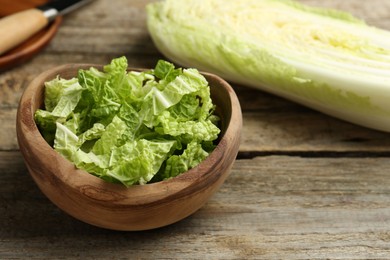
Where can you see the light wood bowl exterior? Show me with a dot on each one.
(113, 206)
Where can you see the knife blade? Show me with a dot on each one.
(18, 27)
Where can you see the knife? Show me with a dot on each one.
(18, 27)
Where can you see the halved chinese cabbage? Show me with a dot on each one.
(325, 59)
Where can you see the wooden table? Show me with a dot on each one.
(304, 186)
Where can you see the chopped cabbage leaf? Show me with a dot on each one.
(125, 126)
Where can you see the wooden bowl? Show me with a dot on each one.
(114, 206)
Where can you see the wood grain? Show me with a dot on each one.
(289, 208)
(305, 186)
(20, 27)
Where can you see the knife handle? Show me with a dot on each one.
(18, 27)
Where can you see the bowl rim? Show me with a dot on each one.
(178, 187)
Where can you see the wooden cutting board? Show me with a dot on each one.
(8, 7)
(32, 46)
